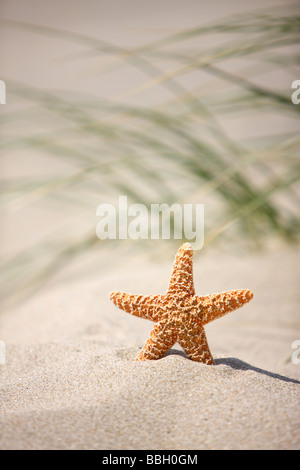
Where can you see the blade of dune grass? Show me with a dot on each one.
(257, 202)
(175, 151)
(199, 146)
(194, 143)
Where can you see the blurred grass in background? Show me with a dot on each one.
(179, 150)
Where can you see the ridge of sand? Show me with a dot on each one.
(70, 380)
(83, 395)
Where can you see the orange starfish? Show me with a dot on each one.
(180, 315)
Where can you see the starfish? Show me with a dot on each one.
(180, 315)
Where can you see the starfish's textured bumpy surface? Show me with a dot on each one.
(180, 315)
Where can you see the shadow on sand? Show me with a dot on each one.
(241, 365)
(237, 364)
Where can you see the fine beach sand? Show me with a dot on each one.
(70, 380)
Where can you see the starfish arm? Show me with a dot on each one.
(160, 341)
(194, 343)
(144, 306)
(181, 280)
(215, 306)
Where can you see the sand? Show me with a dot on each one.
(70, 380)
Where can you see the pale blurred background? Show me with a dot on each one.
(163, 101)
